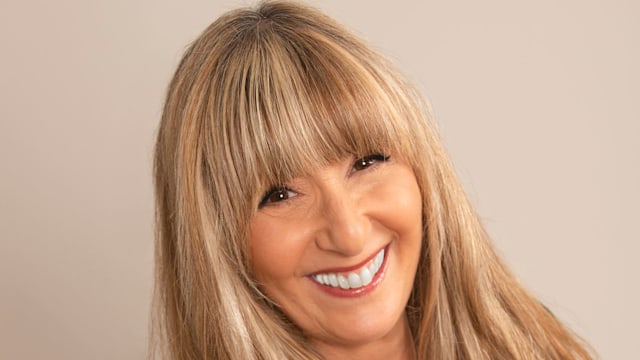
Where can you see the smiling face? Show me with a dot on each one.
(337, 250)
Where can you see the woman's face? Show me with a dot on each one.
(337, 250)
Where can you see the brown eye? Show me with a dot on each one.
(368, 161)
(275, 195)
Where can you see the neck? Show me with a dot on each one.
(397, 345)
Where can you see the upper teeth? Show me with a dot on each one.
(354, 279)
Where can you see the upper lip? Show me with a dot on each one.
(351, 267)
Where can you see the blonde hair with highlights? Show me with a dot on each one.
(270, 93)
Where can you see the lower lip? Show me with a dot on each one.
(361, 291)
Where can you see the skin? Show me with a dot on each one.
(338, 216)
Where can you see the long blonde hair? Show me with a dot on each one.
(267, 94)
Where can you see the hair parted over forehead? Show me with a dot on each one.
(273, 92)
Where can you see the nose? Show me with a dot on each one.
(346, 226)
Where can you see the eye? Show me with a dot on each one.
(276, 194)
(368, 161)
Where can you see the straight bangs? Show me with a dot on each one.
(299, 98)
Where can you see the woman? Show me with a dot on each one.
(306, 210)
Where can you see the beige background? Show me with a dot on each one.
(537, 102)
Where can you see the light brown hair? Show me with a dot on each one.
(267, 94)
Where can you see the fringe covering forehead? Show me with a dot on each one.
(292, 99)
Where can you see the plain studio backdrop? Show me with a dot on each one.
(537, 102)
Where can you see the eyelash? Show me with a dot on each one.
(368, 161)
(281, 192)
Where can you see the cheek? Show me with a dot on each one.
(400, 201)
(409, 207)
(276, 249)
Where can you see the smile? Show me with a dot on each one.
(355, 279)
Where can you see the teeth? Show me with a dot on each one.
(352, 280)
(333, 280)
(325, 279)
(344, 283)
(365, 277)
